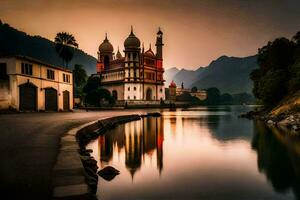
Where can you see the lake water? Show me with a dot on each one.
(202, 153)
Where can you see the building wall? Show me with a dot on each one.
(131, 93)
(39, 79)
(153, 88)
(119, 88)
(161, 92)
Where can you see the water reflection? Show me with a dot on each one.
(278, 157)
(139, 139)
(199, 154)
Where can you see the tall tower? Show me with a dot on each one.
(105, 55)
(160, 89)
(132, 67)
(159, 45)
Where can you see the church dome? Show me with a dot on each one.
(119, 55)
(106, 46)
(149, 53)
(132, 41)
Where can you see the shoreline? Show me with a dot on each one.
(289, 121)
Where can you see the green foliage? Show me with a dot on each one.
(278, 73)
(194, 89)
(243, 98)
(93, 83)
(296, 38)
(187, 97)
(65, 44)
(294, 83)
(95, 95)
(226, 99)
(213, 96)
(79, 75)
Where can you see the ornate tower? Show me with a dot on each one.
(159, 66)
(105, 55)
(132, 67)
(159, 47)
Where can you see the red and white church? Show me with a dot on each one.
(135, 76)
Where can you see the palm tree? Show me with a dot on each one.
(65, 44)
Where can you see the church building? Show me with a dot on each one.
(136, 76)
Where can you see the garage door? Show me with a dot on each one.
(28, 97)
(50, 99)
(66, 100)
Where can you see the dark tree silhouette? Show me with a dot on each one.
(79, 75)
(65, 44)
(276, 63)
(194, 89)
(296, 38)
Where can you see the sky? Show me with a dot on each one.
(196, 32)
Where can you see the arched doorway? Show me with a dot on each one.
(50, 99)
(149, 94)
(66, 100)
(28, 97)
(115, 94)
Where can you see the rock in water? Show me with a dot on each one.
(108, 173)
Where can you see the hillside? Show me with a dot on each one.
(15, 42)
(169, 74)
(229, 74)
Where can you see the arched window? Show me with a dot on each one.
(106, 62)
(128, 97)
(134, 88)
(128, 88)
(134, 97)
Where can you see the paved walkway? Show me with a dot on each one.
(29, 144)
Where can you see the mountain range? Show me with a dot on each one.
(228, 74)
(15, 42)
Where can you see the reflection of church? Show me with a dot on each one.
(136, 76)
(140, 139)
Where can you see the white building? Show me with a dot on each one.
(27, 84)
(136, 77)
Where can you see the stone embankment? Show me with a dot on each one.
(75, 173)
(286, 121)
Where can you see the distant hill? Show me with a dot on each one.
(170, 73)
(15, 42)
(228, 74)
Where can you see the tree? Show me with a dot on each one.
(194, 89)
(65, 44)
(296, 38)
(94, 93)
(213, 96)
(95, 97)
(93, 83)
(271, 79)
(79, 75)
(226, 99)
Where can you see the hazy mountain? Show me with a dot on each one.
(229, 74)
(169, 74)
(187, 77)
(15, 42)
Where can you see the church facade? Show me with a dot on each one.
(136, 75)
